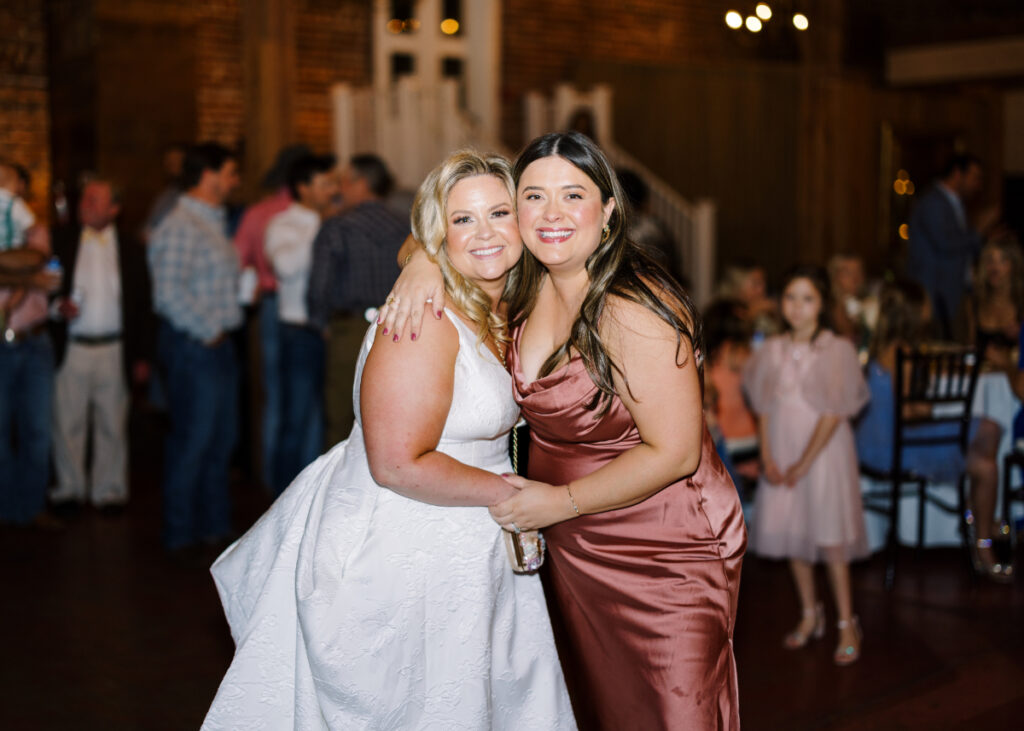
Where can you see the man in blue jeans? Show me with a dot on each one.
(195, 290)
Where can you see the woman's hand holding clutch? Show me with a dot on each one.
(536, 505)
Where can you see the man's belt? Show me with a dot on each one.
(96, 339)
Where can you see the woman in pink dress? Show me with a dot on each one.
(805, 385)
(643, 524)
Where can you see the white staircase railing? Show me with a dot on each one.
(411, 128)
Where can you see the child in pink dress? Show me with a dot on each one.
(805, 384)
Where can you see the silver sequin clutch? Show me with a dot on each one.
(525, 550)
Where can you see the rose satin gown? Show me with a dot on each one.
(643, 599)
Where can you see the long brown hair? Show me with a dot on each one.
(618, 267)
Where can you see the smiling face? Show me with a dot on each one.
(560, 213)
(801, 307)
(481, 235)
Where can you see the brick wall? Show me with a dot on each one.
(214, 28)
(332, 43)
(219, 101)
(24, 96)
(135, 75)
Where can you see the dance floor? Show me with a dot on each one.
(103, 631)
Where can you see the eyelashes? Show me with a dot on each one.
(500, 213)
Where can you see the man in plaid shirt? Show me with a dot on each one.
(195, 292)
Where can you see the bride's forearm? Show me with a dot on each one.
(438, 479)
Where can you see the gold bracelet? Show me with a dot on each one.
(575, 507)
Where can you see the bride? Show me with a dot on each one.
(376, 592)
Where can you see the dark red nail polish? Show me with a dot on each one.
(395, 338)
(385, 331)
(413, 336)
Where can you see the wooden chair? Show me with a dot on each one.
(1010, 493)
(931, 386)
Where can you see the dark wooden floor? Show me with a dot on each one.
(102, 631)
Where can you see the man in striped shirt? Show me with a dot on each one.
(195, 291)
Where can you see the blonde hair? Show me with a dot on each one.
(430, 227)
(1010, 248)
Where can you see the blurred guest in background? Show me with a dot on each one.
(745, 283)
(173, 159)
(846, 277)
(354, 265)
(904, 313)
(26, 370)
(312, 184)
(943, 244)
(16, 218)
(260, 287)
(195, 291)
(727, 344)
(997, 302)
(805, 385)
(104, 298)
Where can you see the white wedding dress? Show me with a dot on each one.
(353, 607)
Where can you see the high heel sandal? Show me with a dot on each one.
(797, 639)
(848, 654)
(997, 572)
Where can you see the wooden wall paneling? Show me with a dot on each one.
(138, 114)
(729, 133)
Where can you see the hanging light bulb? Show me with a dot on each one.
(763, 11)
(734, 20)
(800, 21)
(753, 24)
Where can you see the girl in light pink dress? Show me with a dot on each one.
(804, 385)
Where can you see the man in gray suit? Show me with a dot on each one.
(943, 244)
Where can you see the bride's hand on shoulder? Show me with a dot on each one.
(535, 505)
(419, 288)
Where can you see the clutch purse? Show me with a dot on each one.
(525, 548)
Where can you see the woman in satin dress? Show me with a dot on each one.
(643, 524)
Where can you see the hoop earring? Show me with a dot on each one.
(606, 233)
